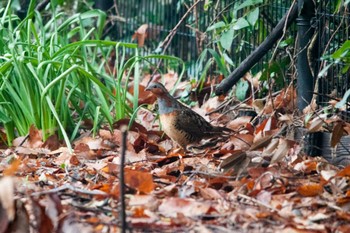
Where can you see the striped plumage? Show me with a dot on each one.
(179, 122)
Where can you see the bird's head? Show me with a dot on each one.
(157, 88)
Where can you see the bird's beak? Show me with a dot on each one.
(148, 88)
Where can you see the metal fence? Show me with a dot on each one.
(331, 25)
(191, 38)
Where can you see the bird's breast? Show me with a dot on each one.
(168, 122)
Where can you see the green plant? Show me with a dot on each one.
(49, 69)
(232, 28)
(55, 73)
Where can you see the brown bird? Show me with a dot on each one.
(179, 122)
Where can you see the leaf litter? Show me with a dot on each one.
(258, 180)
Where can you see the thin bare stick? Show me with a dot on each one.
(72, 188)
(253, 200)
(122, 181)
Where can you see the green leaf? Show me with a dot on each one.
(324, 70)
(253, 16)
(241, 23)
(228, 59)
(343, 101)
(285, 43)
(218, 61)
(216, 26)
(342, 51)
(226, 39)
(242, 89)
(4, 118)
(248, 3)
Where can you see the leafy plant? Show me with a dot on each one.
(49, 72)
(225, 33)
(55, 73)
(244, 15)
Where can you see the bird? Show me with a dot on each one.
(180, 123)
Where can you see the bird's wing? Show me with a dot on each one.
(192, 123)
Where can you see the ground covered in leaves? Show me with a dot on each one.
(258, 180)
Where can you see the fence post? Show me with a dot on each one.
(305, 80)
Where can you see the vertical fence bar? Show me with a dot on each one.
(305, 79)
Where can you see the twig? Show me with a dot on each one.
(256, 202)
(208, 174)
(122, 181)
(170, 36)
(274, 54)
(72, 188)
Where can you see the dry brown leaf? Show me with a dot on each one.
(311, 108)
(258, 106)
(140, 35)
(13, 168)
(345, 172)
(35, 137)
(265, 181)
(171, 207)
(74, 160)
(92, 143)
(237, 161)
(267, 125)
(210, 194)
(315, 125)
(288, 118)
(282, 150)
(145, 97)
(306, 166)
(337, 133)
(239, 122)
(70, 224)
(328, 174)
(261, 140)
(82, 150)
(264, 197)
(140, 181)
(310, 189)
(242, 141)
(271, 147)
(52, 143)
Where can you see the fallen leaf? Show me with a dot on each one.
(13, 168)
(281, 151)
(239, 122)
(337, 133)
(345, 172)
(52, 143)
(35, 137)
(310, 189)
(140, 34)
(189, 207)
(139, 180)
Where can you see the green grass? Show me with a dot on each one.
(53, 74)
